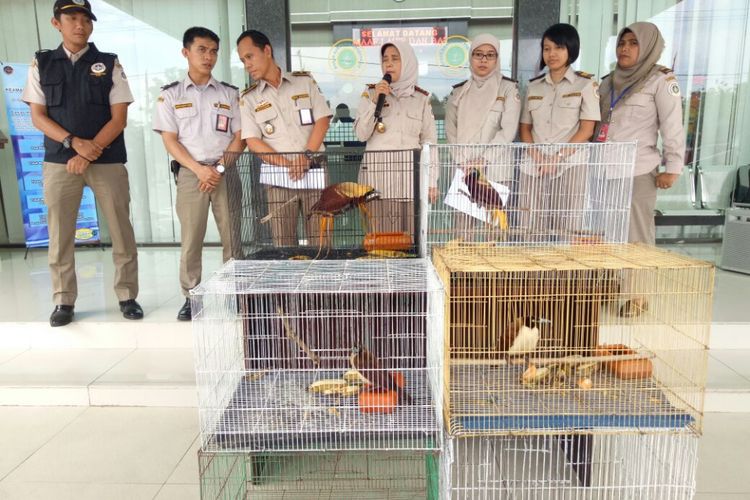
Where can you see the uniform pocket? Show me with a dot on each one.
(98, 91)
(413, 122)
(221, 120)
(638, 105)
(185, 114)
(53, 87)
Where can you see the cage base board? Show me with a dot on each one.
(249, 425)
(491, 399)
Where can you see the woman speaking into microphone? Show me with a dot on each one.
(403, 121)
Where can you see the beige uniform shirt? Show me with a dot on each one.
(656, 107)
(409, 124)
(283, 118)
(499, 126)
(120, 92)
(500, 122)
(554, 111)
(205, 119)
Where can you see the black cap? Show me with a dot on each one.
(68, 6)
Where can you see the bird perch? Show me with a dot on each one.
(292, 336)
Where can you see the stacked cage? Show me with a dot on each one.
(524, 194)
(574, 371)
(344, 203)
(320, 376)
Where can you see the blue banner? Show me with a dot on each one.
(28, 145)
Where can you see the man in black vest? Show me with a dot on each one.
(79, 99)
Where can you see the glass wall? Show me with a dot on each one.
(339, 42)
(708, 46)
(147, 36)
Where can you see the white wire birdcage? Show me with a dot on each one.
(320, 355)
(341, 475)
(572, 467)
(601, 339)
(529, 194)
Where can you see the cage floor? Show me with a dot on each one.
(277, 413)
(492, 398)
(310, 252)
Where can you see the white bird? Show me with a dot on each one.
(526, 340)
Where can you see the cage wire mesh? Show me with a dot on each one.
(320, 355)
(596, 339)
(349, 203)
(343, 475)
(572, 467)
(530, 194)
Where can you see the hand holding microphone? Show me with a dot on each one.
(382, 89)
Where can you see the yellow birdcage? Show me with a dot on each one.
(585, 339)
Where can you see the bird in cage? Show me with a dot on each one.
(337, 199)
(486, 196)
(521, 337)
(368, 365)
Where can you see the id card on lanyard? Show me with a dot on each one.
(604, 127)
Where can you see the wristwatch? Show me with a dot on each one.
(308, 154)
(220, 168)
(68, 141)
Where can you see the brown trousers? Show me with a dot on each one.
(192, 210)
(62, 194)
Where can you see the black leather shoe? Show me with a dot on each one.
(185, 313)
(131, 309)
(61, 316)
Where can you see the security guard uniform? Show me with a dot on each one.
(554, 110)
(284, 118)
(78, 90)
(205, 119)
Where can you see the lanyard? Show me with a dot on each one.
(612, 101)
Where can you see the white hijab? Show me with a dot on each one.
(477, 96)
(404, 87)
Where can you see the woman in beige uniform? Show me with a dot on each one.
(482, 110)
(640, 101)
(561, 106)
(407, 123)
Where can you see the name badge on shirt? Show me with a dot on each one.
(305, 116)
(222, 123)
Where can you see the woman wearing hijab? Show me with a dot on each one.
(640, 100)
(406, 122)
(482, 110)
(561, 106)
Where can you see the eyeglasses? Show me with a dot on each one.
(481, 56)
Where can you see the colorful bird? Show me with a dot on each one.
(484, 195)
(369, 367)
(337, 199)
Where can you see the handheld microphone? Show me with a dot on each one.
(381, 99)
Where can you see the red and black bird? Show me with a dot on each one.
(483, 194)
(337, 199)
(381, 379)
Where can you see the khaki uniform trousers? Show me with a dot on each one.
(551, 206)
(389, 216)
(286, 214)
(192, 210)
(642, 227)
(62, 195)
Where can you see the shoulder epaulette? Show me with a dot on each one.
(109, 54)
(248, 89)
(606, 76)
(421, 90)
(537, 77)
(300, 73)
(460, 84)
(665, 70)
(230, 85)
(170, 85)
(509, 79)
(371, 85)
(584, 74)
(42, 51)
